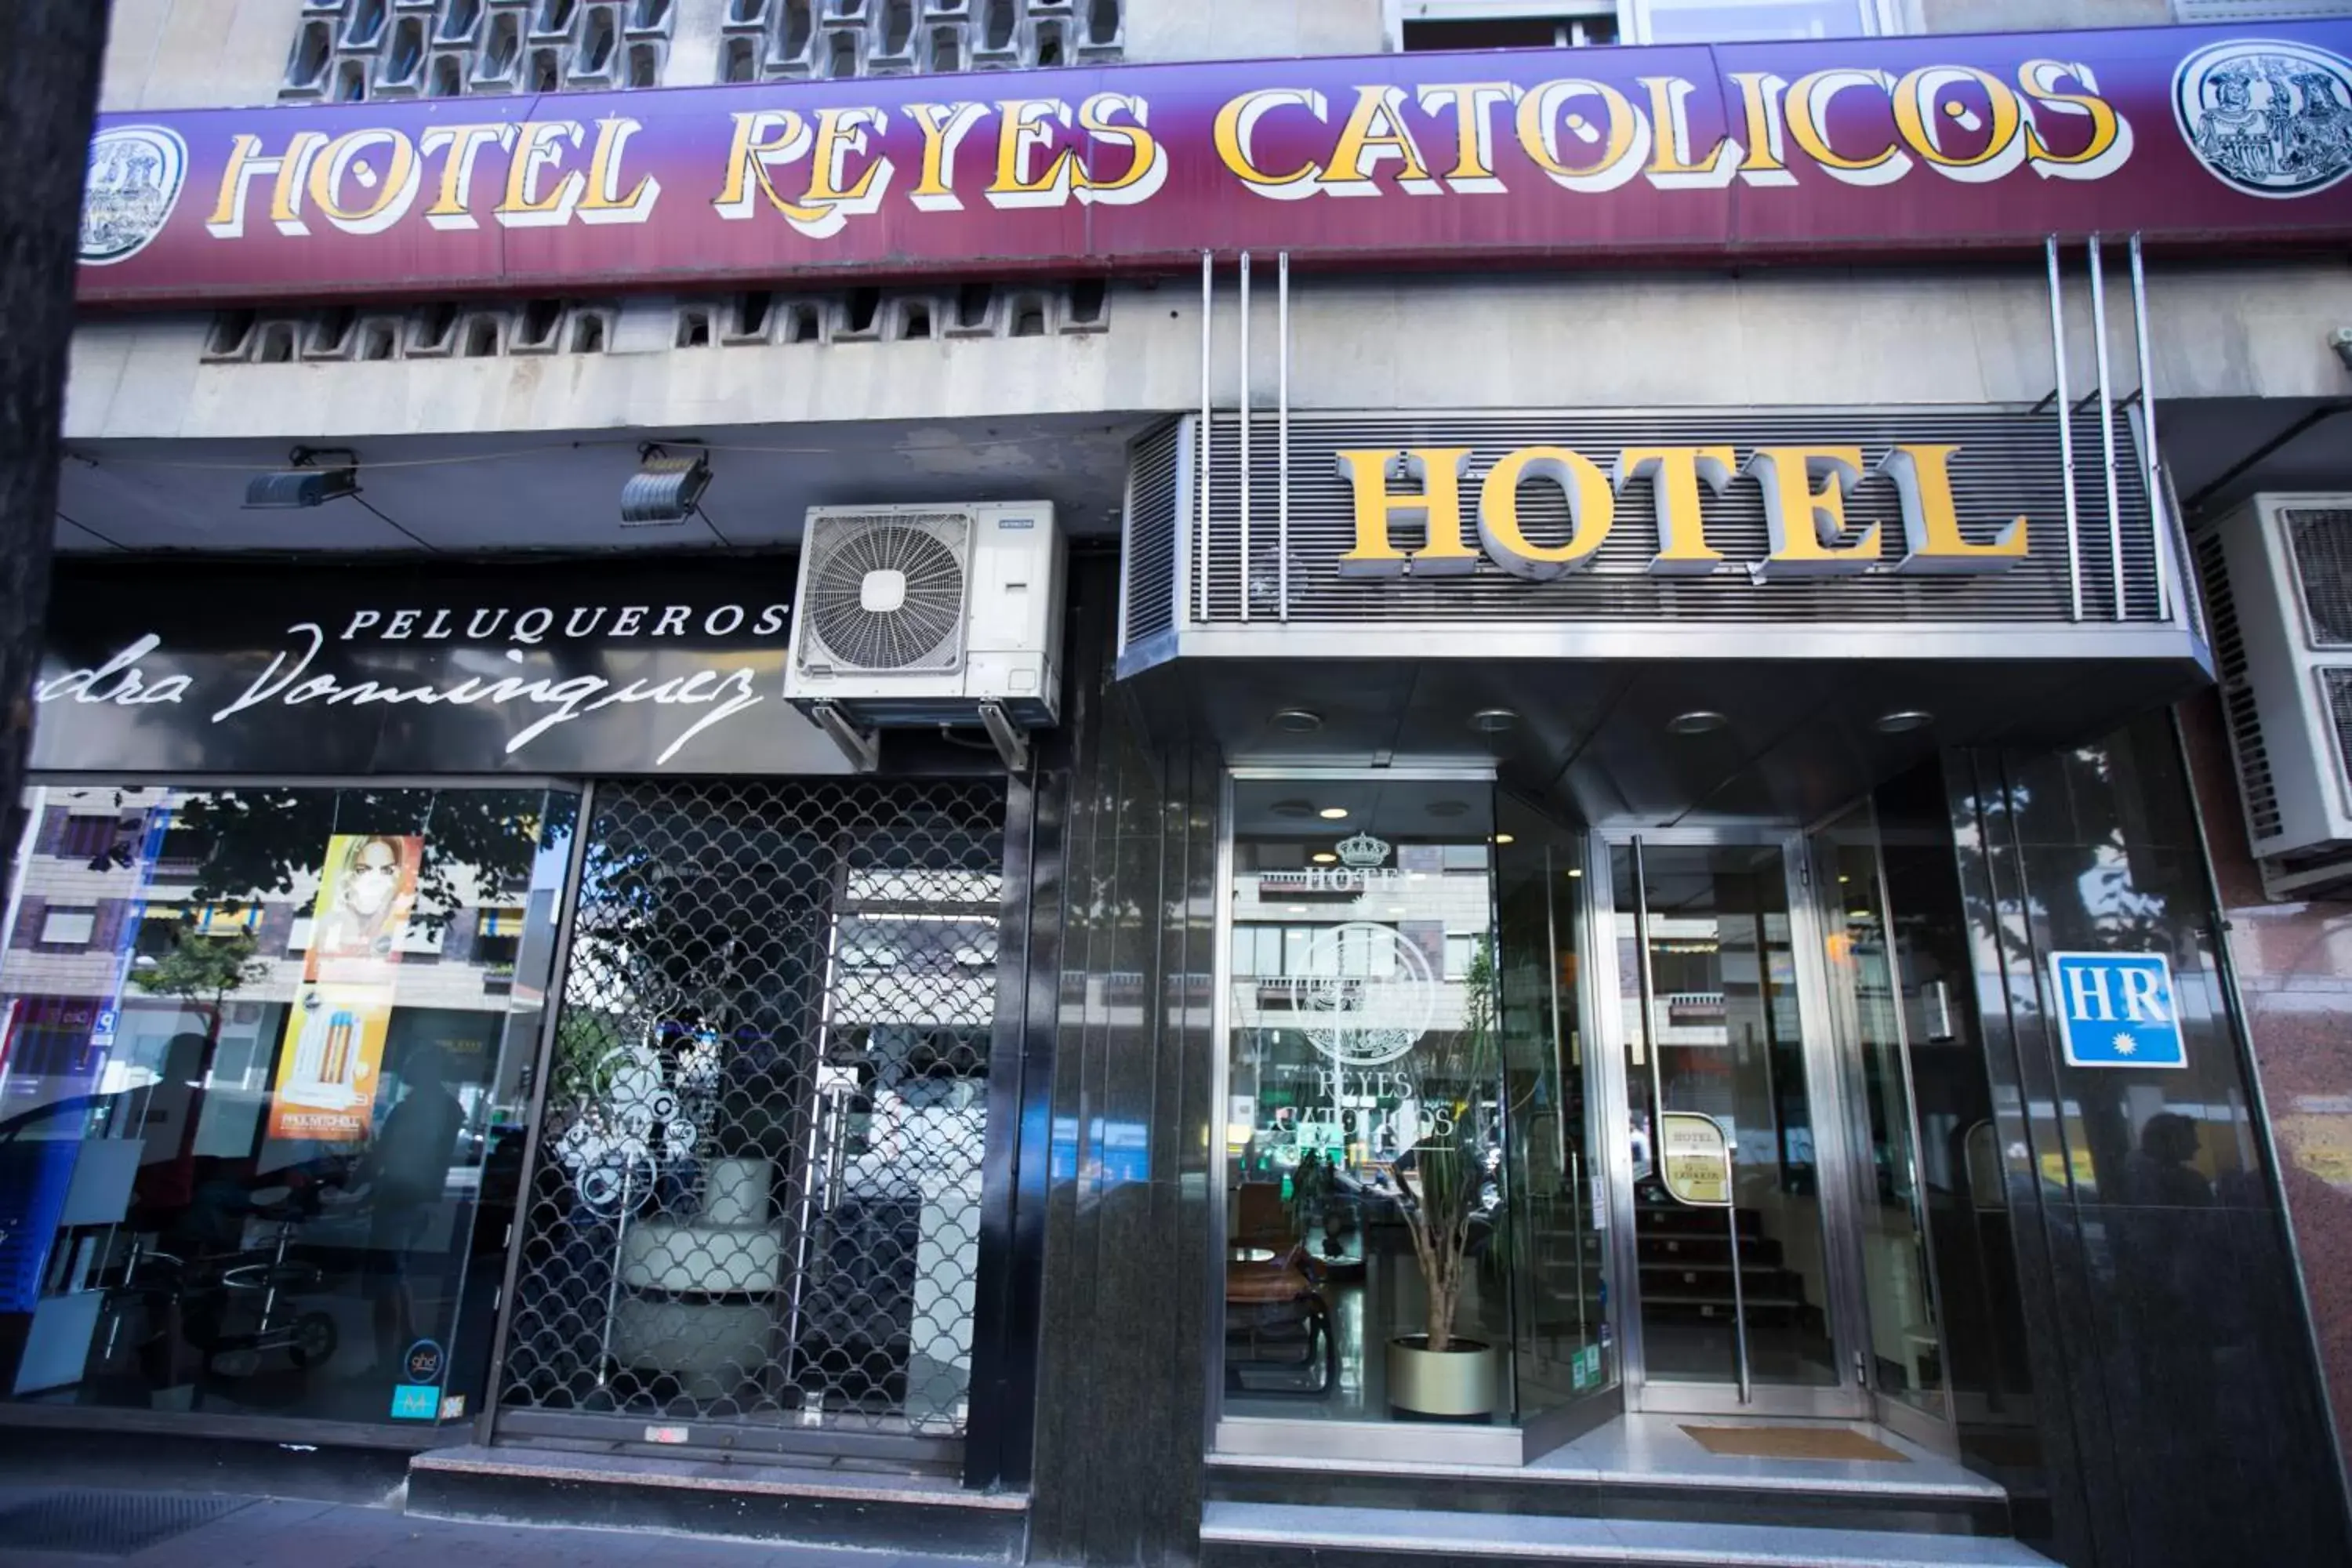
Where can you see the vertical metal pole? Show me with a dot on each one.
(1739, 1286)
(2065, 432)
(2152, 477)
(1282, 436)
(1245, 438)
(1200, 556)
(2107, 422)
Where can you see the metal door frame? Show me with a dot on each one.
(1832, 1107)
(1942, 1435)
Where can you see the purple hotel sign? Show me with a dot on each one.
(2189, 135)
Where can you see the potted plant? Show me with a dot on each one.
(1438, 1371)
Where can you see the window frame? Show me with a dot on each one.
(1881, 18)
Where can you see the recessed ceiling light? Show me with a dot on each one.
(1324, 856)
(1298, 720)
(1296, 909)
(1296, 809)
(1576, 870)
(1903, 719)
(1697, 722)
(1504, 838)
(1494, 721)
(1332, 812)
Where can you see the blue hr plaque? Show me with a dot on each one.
(2117, 1010)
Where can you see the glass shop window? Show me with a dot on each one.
(244, 1173)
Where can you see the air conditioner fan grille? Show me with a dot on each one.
(886, 594)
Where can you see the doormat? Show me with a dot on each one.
(1793, 1443)
(107, 1525)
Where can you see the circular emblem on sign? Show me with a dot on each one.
(2267, 117)
(1366, 997)
(132, 184)
(424, 1362)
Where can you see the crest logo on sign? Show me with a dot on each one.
(2267, 117)
(135, 172)
(1366, 994)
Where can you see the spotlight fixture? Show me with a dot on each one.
(1901, 721)
(1298, 720)
(313, 477)
(1494, 721)
(1323, 856)
(1574, 872)
(1333, 812)
(665, 490)
(1697, 722)
(1504, 838)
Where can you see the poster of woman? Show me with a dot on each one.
(334, 1034)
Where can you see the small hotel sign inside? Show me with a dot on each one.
(1804, 490)
(2189, 136)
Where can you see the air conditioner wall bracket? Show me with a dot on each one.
(1011, 741)
(861, 747)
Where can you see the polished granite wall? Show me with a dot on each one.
(2179, 1406)
(2293, 962)
(1124, 1320)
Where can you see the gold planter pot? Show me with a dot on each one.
(1457, 1382)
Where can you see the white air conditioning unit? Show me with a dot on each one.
(926, 615)
(2277, 575)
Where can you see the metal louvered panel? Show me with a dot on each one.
(2322, 542)
(1149, 548)
(2336, 690)
(757, 1203)
(2008, 466)
(2240, 707)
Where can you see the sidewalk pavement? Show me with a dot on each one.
(73, 1526)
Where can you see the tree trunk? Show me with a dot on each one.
(50, 52)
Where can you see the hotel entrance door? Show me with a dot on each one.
(1757, 1010)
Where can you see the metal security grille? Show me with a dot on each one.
(757, 1199)
(2008, 466)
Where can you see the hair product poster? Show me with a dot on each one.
(334, 1034)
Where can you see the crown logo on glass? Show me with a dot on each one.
(1364, 849)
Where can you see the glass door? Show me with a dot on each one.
(1741, 1291)
(1565, 1352)
(1873, 1003)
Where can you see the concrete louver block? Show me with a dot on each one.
(461, 22)
(945, 45)
(644, 323)
(841, 51)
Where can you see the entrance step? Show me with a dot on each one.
(1275, 1535)
(1638, 1469)
(817, 1504)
